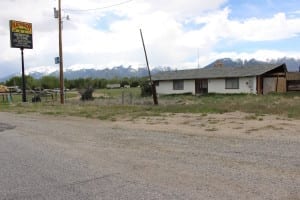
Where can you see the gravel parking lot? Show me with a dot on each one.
(228, 156)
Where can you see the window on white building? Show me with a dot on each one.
(232, 83)
(178, 85)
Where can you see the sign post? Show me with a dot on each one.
(21, 37)
(56, 60)
(23, 76)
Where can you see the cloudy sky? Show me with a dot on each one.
(177, 33)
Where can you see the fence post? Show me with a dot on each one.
(123, 97)
(130, 98)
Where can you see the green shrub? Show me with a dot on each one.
(87, 94)
(146, 89)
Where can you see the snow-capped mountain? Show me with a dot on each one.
(87, 71)
(109, 73)
(75, 73)
(291, 63)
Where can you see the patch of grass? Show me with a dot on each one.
(254, 117)
(252, 130)
(273, 127)
(211, 129)
(113, 93)
(103, 117)
(185, 122)
(113, 119)
(251, 117)
(204, 114)
(238, 127)
(4, 106)
(213, 121)
(256, 105)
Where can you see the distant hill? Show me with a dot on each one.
(115, 72)
(121, 71)
(292, 64)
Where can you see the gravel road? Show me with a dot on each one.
(48, 157)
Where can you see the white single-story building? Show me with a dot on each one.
(255, 80)
(113, 86)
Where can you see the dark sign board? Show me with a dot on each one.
(57, 60)
(20, 34)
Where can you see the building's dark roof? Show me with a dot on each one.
(216, 72)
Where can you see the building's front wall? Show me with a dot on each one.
(246, 85)
(166, 87)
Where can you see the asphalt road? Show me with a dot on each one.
(35, 168)
(71, 158)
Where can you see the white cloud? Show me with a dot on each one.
(179, 9)
(275, 28)
(219, 26)
(42, 69)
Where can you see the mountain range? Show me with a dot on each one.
(122, 71)
(291, 63)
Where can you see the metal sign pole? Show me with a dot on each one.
(23, 77)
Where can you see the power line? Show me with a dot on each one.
(95, 9)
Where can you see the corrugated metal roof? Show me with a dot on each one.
(216, 72)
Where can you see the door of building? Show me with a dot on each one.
(201, 86)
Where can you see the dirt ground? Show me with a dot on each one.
(181, 156)
(229, 124)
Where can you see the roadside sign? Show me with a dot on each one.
(57, 60)
(21, 37)
(20, 34)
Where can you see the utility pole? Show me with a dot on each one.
(61, 67)
(153, 87)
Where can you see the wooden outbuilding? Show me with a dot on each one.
(293, 81)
